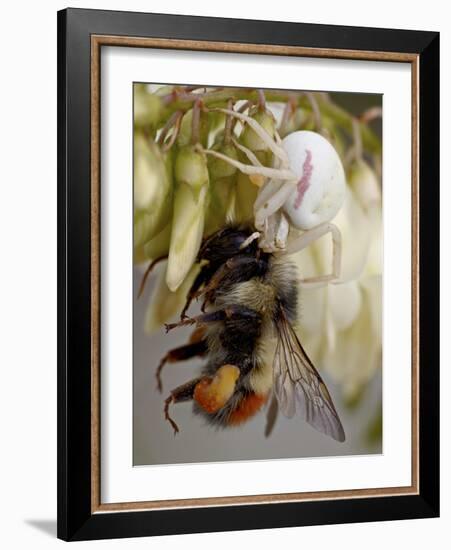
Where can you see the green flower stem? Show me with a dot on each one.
(216, 98)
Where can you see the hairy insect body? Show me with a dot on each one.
(249, 304)
(248, 342)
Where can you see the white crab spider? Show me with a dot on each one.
(304, 190)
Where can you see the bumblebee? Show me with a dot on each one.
(249, 300)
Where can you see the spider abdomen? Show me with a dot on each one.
(321, 183)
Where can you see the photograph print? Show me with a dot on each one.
(257, 268)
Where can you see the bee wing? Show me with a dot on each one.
(298, 383)
(271, 415)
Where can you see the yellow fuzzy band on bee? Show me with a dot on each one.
(213, 393)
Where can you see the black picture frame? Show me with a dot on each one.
(76, 519)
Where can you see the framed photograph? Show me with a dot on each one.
(248, 274)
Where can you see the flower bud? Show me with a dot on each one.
(221, 207)
(297, 121)
(246, 193)
(147, 107)
(155, 248)
(159, 245)
(186, 235)
(219, 168)
(185, 134)
(138, 255)
(152, 189)
(363, 181)
(191, 169)
(248, 136)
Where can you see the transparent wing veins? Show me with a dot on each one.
(298, 385)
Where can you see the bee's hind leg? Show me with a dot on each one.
(182, 353)
(211, 393)
(185, 392)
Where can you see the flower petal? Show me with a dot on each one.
(344, 302)
(357, 352)
(373, 288)
(355, 230)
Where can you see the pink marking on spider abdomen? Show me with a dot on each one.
(304, 183)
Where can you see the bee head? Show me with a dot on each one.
(226, 243)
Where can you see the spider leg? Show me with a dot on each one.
(266, 191)
(282, 230)
(279, 173)
(310, 236)
(273, 203)
(278, 138)
(250, 155)
(278, 151)
(273, 238)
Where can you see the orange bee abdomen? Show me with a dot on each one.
(247, 408)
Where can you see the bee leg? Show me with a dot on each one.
(197, 335)
(201, 278)
(182, 353)
(243, 266)
(232, 312)
(152, 264)
(201, 319)
(185, 392)
(215, 281)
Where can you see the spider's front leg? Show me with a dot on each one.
(274, 233)
(270, 202)
(249, 169)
